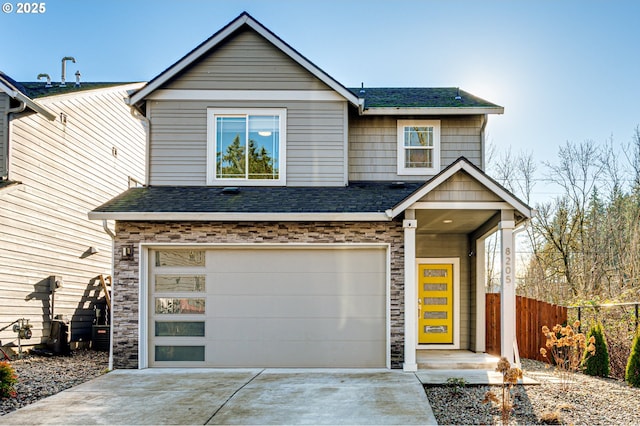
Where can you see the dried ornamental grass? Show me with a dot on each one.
(566, 349)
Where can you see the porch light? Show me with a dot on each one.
(264, 133)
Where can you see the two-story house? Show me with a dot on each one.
(290, 221)
(63, 150)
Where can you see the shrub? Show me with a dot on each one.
(597, 364)
(510, 376)
(564, 349)
(632, 375)
(8, 379)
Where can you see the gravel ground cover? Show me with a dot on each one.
(589, 401)
(41, 376)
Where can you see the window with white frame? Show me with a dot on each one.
(418, 147)
(246, 146)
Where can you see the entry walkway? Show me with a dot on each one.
(248, 396)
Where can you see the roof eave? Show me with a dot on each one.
(239, 216)
(432, 110)
(244, 19)
(30, 103)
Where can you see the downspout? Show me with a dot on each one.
(109, 232)
(16, 110)
(482, 140)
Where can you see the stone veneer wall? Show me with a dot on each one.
(126, 275)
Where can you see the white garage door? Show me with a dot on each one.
(268, 307)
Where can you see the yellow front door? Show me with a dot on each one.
(435, 304)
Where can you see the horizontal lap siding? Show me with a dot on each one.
(373, 145)
(315, 141)
(66, 171)
(246, 62)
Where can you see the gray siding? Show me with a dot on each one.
(461, 187)
(315, 141)
(247, 62)
(4, 131)
(373, 145)
(453, 245)
(66, 170)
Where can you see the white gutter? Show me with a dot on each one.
(239, 217)
(18, 109)
(432, 111)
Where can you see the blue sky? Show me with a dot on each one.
(564, 70)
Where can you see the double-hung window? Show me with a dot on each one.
(246, 147)
(418, 147)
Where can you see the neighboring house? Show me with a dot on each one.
(63, 150)
(290, 221)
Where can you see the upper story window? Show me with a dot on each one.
(246, 147)
(418, 147)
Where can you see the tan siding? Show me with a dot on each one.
(461, 187)
(247, 62)
(4, 130)
(66, 170)
(454, 245)
(315, 141)
(373, 145)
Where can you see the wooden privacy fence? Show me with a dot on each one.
(531, 315)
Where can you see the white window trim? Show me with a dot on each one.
(402, 170)
(211, 146)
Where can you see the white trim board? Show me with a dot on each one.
(244, 95)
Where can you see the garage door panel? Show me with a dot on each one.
(281, 260)
(295, 306)
(303, 329)
(296, 283)
(298, 354)
(282, 307)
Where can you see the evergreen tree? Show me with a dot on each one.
(632, 376)
(597, 364)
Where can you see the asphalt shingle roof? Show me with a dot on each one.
(358, 197)
(419, 97)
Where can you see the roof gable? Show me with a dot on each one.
(438, 184)
(244, 20)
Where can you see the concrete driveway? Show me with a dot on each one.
(246, 396)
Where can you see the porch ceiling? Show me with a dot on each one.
(462, 221)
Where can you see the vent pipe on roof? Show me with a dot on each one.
(362, 91)
(458, 97)
(64, 69)
(78, 78)
(43, 75)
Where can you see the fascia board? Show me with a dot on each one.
(432, 111)
(239, 217)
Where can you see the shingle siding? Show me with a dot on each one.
(127, 273)
(373, 145)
